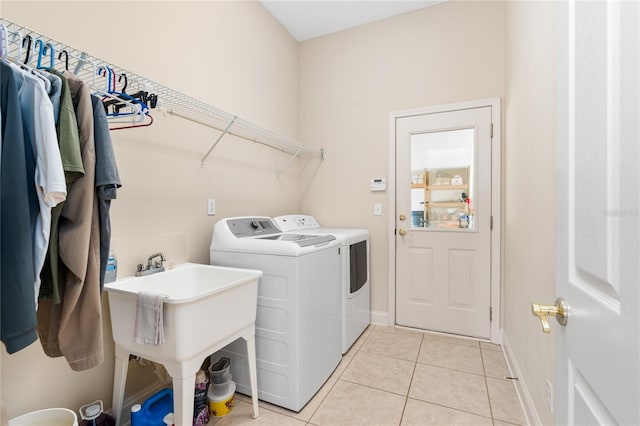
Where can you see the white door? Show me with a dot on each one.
(443, 221)
(598, 360)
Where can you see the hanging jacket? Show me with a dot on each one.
(18, 212)
(78, 318)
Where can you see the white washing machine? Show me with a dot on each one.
(299, 316)
(356, 288)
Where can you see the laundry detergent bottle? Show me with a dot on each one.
(92, 415)
(153, 410)
(200, 404)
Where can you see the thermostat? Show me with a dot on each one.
(378, 184)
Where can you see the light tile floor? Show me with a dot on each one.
(395, 376)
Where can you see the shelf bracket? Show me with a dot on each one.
(218, 140)
(293, 157)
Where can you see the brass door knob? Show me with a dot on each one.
(403, 217)
(560, 310)
(402, 232)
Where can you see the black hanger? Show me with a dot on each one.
(124, 88)
(30, 40)
(142, 95)
(153, 100)
(66, 59)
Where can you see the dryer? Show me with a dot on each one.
(299, 315)
(355, 285)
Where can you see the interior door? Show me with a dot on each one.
(598, 361)
(443, 223)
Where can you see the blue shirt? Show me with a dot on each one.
(107, 179)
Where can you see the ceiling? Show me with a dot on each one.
(307, 19)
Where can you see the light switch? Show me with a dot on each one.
(377, 209)
(211, 207)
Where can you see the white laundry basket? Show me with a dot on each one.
(47, 417)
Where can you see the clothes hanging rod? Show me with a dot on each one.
(173, 102)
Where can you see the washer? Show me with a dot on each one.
(356, 288)
(299, 316)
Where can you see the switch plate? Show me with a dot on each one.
(377, 209)
(211, 207)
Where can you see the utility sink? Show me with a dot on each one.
(206, 308)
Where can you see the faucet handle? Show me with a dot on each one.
(140, 267)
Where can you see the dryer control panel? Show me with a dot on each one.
(252, 227)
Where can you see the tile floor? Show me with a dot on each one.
(402, 377)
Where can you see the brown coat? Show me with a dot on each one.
(74, 328)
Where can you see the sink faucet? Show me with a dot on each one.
(157, 264)
(152, 267)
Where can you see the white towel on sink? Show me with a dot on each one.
(149, 327)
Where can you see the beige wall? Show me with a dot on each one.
(529, 192)
(350, 82)
(233, 55)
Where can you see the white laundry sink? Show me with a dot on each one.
(206, 307)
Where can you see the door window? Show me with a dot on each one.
(442, 180)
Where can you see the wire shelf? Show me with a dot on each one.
(170, 101)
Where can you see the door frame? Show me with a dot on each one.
(496, 204)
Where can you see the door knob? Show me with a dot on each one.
(403, 217)
(560, 310)
(402, 232)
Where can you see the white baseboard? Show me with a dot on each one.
(526, 402)
(379, 318)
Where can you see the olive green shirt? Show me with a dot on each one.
(69, 142)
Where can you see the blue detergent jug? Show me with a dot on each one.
(153, 410)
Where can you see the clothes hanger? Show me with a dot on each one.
(38, 71)
(43, 51)
(145, 98)
(124, 88)
(131, 126)
(116, 104)
(66, 58)
(135, 114)
(4, 46)
(141, 95)
(29, 39)
(143, 110)
(37, 43)
(25, 65)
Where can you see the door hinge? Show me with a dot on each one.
(491, 223)
(490, 314)
(491, 130)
